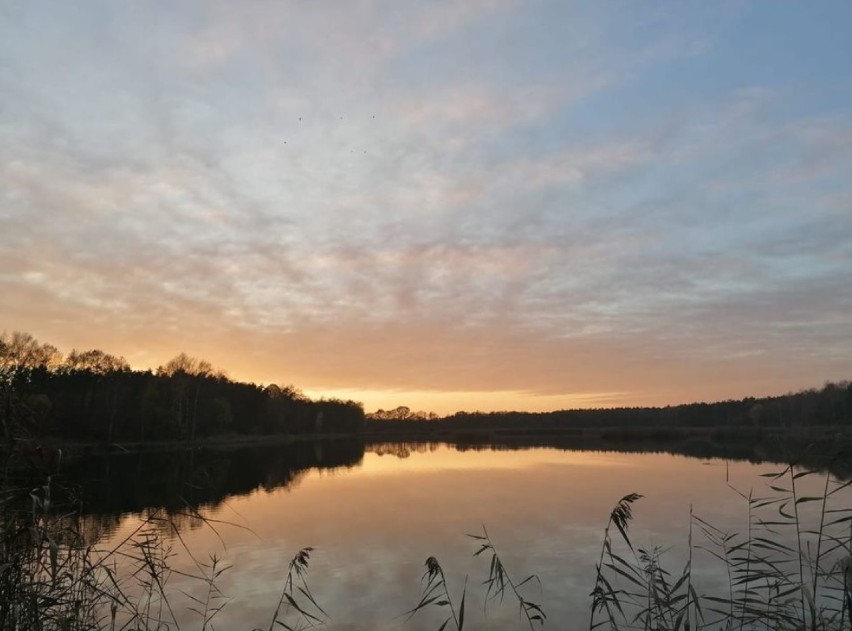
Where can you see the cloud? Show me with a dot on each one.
(477, 198)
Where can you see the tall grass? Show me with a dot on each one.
(55, 575)
(789, 568)
(296, 596)
(498, 584)
(50, 575)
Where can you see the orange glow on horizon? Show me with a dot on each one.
(540, 378)
(448, 402)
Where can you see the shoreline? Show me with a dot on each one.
(434, 432)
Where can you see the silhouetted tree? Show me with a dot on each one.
(20, 354)
(95, 361)
(187, 374)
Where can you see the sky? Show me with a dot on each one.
(480, 205)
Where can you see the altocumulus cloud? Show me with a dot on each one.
(552, 203)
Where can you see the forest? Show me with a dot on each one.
(93, 396)
(830, 405)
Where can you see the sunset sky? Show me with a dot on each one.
(490, 204)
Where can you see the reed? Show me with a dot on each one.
(54, 576)
(436, 593)
(499, 582)
(296, 596)
(788, 569)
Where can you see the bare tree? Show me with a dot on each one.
(96, 361)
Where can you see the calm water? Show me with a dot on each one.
(373, 517)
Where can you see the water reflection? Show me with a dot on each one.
(829, 450)
(376, 511)
(373, 526)
(115, 484)
(182, 482)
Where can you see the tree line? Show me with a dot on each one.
(95, 396)
(830, 405)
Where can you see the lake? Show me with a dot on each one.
(373, 515)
